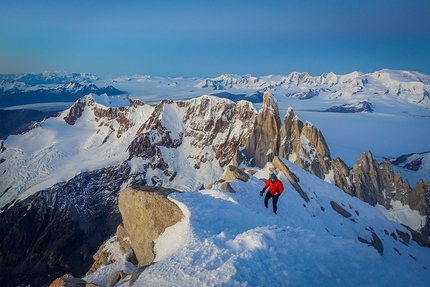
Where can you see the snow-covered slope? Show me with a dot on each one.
(231, 239)
(56, 151)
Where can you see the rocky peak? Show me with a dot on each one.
(209, 128)
(75, 111)
(263, 142)
(304, 145)
(118, 120)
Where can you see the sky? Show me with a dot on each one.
(209, 38)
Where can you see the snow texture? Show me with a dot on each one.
(231, 239)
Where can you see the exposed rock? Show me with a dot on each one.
(146, 213)
(60, 228)
(101, 257)
(421, 239)
(375, 243)
(339, 209)
(227, 187)
(412, 161)
(213, 128)
(136, 273)
(114, 278)
(125, 243)
(418, 198)
(104, 256)
(358, 107)
(232, 173)
(292, 178)
(263, 143)
(366, 179)
(309, 94)
(75, 111)
(405, 237)
(68, 281)
(341, 176)
(304, 145)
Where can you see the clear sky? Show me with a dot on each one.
(209, 38)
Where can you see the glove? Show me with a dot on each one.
(261, 192)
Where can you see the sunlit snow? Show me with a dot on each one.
(231, 239)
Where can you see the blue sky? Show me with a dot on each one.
(209, 38)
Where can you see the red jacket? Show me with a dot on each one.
(275, 186)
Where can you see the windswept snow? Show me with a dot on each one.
(231, 239)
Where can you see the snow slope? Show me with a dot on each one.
(57, 151)
(231, 239)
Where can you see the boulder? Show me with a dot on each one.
(146, 212)
(232, 173)
(227, 187)
(292, 178)
(114, 278)
(68, 281)
(339, 209)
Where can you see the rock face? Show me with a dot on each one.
(376, 183)
(263, 142)
(146, 213)
(60, 228)
(233, 173)
(300, 143)
(211, 130)
(304, 145)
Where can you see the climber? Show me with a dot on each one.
(275, 190)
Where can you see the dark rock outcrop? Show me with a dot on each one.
(358, 107)
(339, 209)
(60, 228)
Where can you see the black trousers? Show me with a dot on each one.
(274, 201)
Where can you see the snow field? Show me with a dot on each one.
(231, 239)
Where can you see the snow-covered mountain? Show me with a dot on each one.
(231, 239)
(75, 163)
(408, 86)
(47, 78)
(17, 90)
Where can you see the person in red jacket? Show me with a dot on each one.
(275, 190)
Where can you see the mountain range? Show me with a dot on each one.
(61, 179)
